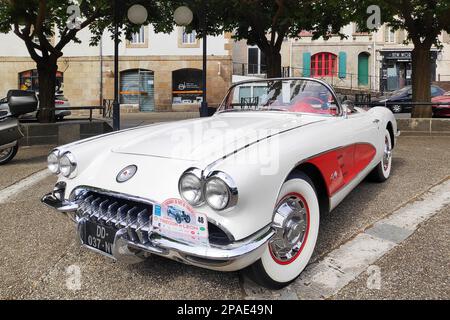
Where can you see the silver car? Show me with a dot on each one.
(61, 102)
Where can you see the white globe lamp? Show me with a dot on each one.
(137, 14)
(183, 16)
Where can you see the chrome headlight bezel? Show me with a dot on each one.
(55, 154)
(230, 188)
(71, 165)
(196, 174)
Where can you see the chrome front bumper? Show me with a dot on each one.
(231, 257)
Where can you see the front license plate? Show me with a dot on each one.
(99, 237)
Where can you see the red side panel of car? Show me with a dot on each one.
(340, 166)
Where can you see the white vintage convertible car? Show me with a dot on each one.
(242, 190)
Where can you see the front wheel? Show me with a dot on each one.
(6, 155)
(296, 221)
(382, 171)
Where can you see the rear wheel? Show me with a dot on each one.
(296, 221)
(6, 155)
(382, 171)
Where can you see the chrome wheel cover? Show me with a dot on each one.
(291, 225)
(387, 156)
(5, 153)
(396, 108)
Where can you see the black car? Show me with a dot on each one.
(405, 95)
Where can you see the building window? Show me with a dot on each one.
(29, 81)
(389, 35)
(323, 64)
(188, 38)
(138, 37)
(256, 61)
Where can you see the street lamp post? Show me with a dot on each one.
(116, 104)
(183, 16)
(137, 14)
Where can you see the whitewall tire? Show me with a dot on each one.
(296, 220)
(382, 171)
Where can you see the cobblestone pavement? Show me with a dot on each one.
(40, 256)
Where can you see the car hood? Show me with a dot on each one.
(214, 137)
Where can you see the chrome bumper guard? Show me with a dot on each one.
(231, 257)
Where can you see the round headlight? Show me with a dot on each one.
(217, 194)
(67, 165)
(190, 187)
(53, 162)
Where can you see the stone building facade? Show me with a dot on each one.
(378, 61)
(147, 70)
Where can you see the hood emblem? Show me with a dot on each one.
(126, 174)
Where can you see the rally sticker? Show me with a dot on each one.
(176, 219)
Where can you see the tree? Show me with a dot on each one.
(266, 23)
(424, 21)
(36, 21)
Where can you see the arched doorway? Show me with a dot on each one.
(29, 80)
(363, 69)
(137, 87)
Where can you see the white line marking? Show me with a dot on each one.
(325, 278)
(11, 191)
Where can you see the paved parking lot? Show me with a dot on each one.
(40, 258)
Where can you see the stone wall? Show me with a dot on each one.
(82, 76)
(62, 132)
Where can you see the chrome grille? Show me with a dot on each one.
(119, 213)
(132, 215)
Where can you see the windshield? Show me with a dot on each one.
(294, 95)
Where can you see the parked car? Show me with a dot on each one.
(442, 111)
(60, 102)
(405, 95)
(255, 178)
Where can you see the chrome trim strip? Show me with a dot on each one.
(209, 167)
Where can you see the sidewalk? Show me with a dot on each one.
(417, 269)
(130, 120)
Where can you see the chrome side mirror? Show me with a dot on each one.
(348, 107)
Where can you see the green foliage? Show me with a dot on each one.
(267, 22)
(41, 19)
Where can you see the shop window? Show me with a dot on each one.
(29, 80)
(323, 64)
(187, 86)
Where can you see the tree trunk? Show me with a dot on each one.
(273, 62)
(47, 86)
(421, 81)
